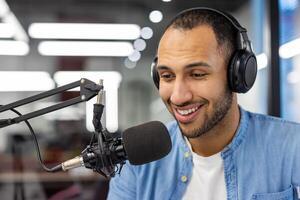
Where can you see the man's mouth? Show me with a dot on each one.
(187, 114)
(187, 111)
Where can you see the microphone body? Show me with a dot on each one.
(72, 163)
(139, 145)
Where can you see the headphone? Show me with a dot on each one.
(242, 67)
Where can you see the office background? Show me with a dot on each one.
(45, 44)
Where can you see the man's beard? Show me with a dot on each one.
(221, 109)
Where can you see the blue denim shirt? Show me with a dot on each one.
(262, 162)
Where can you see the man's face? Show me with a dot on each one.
(193, 79)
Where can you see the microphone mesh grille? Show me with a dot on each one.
(147, 142)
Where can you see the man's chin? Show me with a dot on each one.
(189, 131)
(192, 135)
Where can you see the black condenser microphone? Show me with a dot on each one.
(139, 145)
(147, 142)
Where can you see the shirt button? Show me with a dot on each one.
(183, 179)
(186, 154)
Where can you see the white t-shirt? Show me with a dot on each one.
(208, 179)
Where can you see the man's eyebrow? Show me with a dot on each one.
(191, 65)
(163, 67)
(198, 64)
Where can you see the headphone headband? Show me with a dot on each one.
(228, 16)
(242, 44)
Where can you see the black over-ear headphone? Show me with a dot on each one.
(242, 68)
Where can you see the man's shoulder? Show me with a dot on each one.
(275, 138)
(267, 126)
(271, 121)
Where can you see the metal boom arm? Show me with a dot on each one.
(88, 90)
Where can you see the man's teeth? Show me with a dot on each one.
(186, 112)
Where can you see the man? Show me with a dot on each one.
(220, 151)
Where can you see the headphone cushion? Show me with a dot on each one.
(154, 73)
(242, 71)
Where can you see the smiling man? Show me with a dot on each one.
(220, 151)
(193, 74)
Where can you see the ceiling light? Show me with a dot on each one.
(8, 17)
(146, 33)
(11, 47)
(129, 64)
(81, 48)
(135, 56)
(290, 49)
(19, 32)
(6, 30)
(262, 61)
(139, 44)
(12, 81)
(84, 31)
(4, 8)
(155, 16)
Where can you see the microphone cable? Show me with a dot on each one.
(36, 144)
(106, 172)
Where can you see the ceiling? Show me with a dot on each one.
(110, 11)
(114, 7)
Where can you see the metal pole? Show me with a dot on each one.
(274, 100)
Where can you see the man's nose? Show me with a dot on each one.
(181, 93)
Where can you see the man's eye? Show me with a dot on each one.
(166, 76)
(198, 75)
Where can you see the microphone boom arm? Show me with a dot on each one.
(88, 90)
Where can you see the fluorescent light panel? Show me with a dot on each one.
(6, 30)
(111, 82)
(290, 49)
(16, 48)
(262, 61)
(84, 31)
(84, 48)
(19, 32)
(8, 17)
(12, 81)
(286, 51)
(4, 8)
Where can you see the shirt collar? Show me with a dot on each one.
(239, 136)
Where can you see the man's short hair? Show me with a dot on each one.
(225, 32)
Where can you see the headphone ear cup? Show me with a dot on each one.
(242, 71)
(154, 73)
(231, 76)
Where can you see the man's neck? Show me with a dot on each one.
(219, 136)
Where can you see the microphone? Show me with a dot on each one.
(139, 145)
